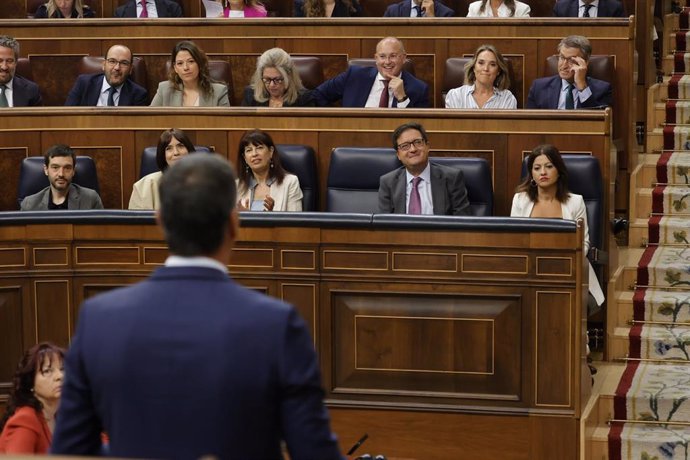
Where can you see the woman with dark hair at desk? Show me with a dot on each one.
(173, 144)
(276, 83)
(263, 184)
(189, 82)
(544, 193)
(327, 9)
(242, 9)
(56, 9)
(498, 9)
(28, 423)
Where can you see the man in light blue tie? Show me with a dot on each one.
(571, 88)
(421, 186)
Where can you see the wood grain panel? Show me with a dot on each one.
(554, 266)
(553, 348)
(292, 259)
(425, 262)
(51, 256)
(406, 344)
(52, 306)
(481, 263)
(89, 255)
(13, 257)
(303, 297)
(12, 337)
(252, 258)
(355, 260)
(10, 161)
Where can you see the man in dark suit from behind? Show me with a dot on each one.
(197, 365)
(588, 9)
(386, 85)
(154, 9)
(571, 88)
(113, 87)
(420, 186)
(15, 90)
(418, 9)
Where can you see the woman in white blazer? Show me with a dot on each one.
(263, 184)
(498, 9)
(544, 193)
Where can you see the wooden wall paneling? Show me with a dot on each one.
(10, 165)
(17, 327)
(52, 303)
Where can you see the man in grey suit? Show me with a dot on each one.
(421, 186)
(61, 193)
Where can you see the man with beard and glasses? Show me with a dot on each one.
(61, 193)
(113, 87)
(15, 91)
(386, 85)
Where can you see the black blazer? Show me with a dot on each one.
(304, 99)
(606, 9)
(87, 89)
(165, 8)
(25, 93)
(42, 13)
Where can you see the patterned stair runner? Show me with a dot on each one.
(655, 386)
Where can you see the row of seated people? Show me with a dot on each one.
(322, 8)
(388, 80)
(399, 180)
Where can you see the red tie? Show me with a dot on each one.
(144, 12)
(383, 102)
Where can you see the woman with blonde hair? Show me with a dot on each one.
(498, 9)
(189, 83)
(486, 83)
(55, 9)
(276, 83)
(327, 9)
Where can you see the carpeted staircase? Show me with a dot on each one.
(651, 404)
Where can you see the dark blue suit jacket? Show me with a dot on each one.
(25, 93)
(545, 92)
(403, 9)
(354, 85)
(186, 364)
(87, 89)
(606, 9)
(165, 8)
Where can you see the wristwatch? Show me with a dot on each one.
(403, 99)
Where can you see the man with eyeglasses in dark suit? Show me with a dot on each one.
(113, 87)
(420, 186)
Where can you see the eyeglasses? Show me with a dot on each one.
(114, 62)
(275, 81)
(405, 146)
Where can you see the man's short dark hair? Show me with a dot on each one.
(197, 197)
(59, 150)
(404, 127)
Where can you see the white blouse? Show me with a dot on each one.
(461, 98)
(521, 10)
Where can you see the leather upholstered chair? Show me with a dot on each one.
(371, 62)
(478, 182)
(310, 70)
(148, 163)
(601, 67)
(300, 160)
(32, 178)
(220, 71)
(24, 68)
(94, 64)
(353, 178)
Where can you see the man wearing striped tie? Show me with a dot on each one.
(420, 186)
(15, 90)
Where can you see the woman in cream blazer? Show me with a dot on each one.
(544, 193)
(263, 184)
(505, 9)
